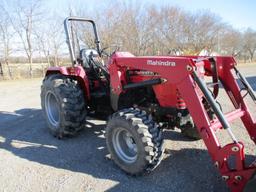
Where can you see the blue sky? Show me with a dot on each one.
(239, 13)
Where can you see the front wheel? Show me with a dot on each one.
(134, 141)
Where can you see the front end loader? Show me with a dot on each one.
(147, 94)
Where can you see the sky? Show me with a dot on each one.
(241, 14)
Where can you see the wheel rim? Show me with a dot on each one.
(52, 108)
(124, 145)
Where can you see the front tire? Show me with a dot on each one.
(63, 105)
(134, 141)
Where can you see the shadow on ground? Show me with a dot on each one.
(25, 135)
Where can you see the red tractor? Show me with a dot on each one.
(144, 95)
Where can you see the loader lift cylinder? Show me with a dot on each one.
(214, 106)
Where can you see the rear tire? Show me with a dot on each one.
(190, 131)
(134, 141)
(188, 127)
(63, 104)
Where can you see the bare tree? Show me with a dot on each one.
(50, 38)
(170, 27)
(230, 41)
(56, 41)
(43, 44)
(24, 21)
(6, 34)
(249, 40)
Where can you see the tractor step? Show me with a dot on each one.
(231, 116)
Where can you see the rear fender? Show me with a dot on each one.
(77, 73)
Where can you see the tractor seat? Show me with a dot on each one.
(87, 55)
(92, 63)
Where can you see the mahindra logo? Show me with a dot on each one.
(161, 63)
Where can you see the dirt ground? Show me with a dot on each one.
(32, 160)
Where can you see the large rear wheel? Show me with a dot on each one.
(134, 141)
(189, 130)
(187, 125)
(63, 105)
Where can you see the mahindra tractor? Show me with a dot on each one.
(143, 95)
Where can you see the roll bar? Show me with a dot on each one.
(69, 39)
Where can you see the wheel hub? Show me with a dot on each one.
(52, 108)
(125, 145)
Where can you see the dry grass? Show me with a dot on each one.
(22, 71)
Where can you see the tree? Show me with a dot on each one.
(249, 42)
(6, 34)
(50, 38)
(230, 41)
(56, 41)
(24, 20)
(43, 44)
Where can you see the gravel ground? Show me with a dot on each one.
(32, 160)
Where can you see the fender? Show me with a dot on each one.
(77, 73)
(116, 76)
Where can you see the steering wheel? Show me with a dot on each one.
(108, 54)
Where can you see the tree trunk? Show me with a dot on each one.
(9, 69)
(1, 70)
(30, 67)
(48, 61)
(251, 56)
(245, 59)
(55, 60)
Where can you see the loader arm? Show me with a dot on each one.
(183, 73)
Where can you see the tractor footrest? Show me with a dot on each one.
(231, 116)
